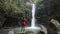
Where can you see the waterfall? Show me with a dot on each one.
(33, 15)
(33, 18)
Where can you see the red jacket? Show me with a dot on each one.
(23, 23)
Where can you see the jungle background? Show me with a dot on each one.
(13, 11)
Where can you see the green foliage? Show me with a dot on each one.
(10, 7)
(15, 9)
(35, 1)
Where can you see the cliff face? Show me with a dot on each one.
(48, 10)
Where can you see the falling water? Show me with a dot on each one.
(33, 15)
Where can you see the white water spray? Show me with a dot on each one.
(33, 15)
